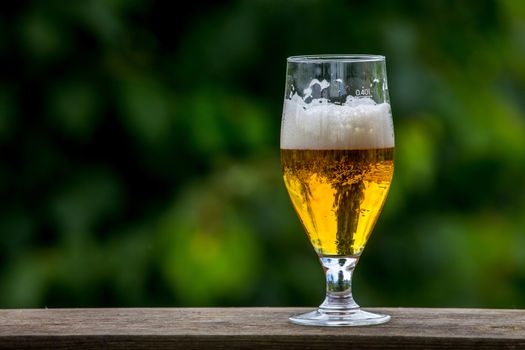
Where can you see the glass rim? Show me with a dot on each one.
(335, 58)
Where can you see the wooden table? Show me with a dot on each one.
(256, 328)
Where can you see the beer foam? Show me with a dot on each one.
(359, 123)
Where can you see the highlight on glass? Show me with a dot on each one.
(337, 156)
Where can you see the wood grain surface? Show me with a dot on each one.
(256, 328)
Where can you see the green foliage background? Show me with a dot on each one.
(139, 152)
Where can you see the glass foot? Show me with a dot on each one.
(355, 317)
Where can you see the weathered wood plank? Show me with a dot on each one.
(255, 328)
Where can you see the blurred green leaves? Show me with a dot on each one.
(8, 111)
(85, 202)
(146, 110)
(41, 35)
(75, 107)
(212, 253)
(220, 123)
(139, 161)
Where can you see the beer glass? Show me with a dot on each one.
(337, 153)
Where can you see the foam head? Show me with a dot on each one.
(359, 123)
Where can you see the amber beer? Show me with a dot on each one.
(338, 194)
(337, 162)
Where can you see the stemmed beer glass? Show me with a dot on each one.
(337, 152)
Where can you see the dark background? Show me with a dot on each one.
(139, 152)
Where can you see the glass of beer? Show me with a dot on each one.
(337, 156)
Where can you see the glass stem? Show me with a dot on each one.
(338, 271)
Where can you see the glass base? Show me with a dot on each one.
(354, 317)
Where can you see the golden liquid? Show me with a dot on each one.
(338, 194)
